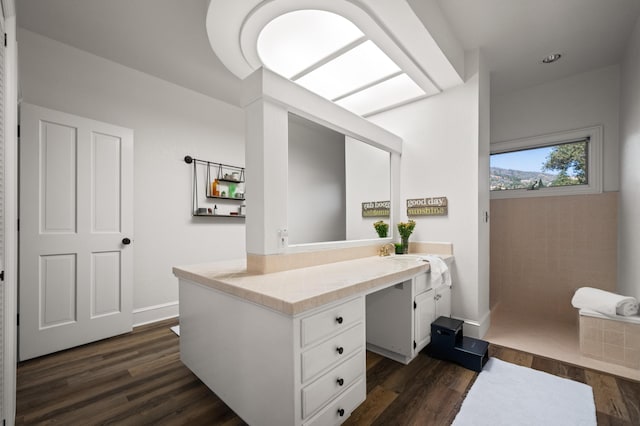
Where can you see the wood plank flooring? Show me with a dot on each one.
(138, 379)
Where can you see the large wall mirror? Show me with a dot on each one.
(330, 175)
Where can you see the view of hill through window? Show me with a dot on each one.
(557, 165)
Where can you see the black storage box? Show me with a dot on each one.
(448, 343)
(446, 333)
(472, 353)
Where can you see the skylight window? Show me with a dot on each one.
(330, 56)
(293, 42)
(358, 67)
(389, 93)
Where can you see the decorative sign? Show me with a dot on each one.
(376, 209)
(436, 206)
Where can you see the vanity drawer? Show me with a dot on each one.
(422, 283)
(339, 410)
(332, 351)
(332, 320)
(332, 383)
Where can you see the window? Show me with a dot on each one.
(563, 163)
(328, 55)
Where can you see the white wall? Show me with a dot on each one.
(629, 207)
(583, 100)
(441, 157)
(169, 122)
(316, 194)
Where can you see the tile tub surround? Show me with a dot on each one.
(266, 264)
(298, 290)
(544, 248)
(610, 340)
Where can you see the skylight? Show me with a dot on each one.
(389, 93)
(358, 67)
(329, 55)
(296, 40)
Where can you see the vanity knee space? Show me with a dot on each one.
(399, 318)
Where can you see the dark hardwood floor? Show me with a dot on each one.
(138, 379)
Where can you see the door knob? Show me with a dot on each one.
(126, 241)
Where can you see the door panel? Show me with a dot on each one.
(57, 290)
(76, 204)
(58, 153)
(105, 284)
(106, 182)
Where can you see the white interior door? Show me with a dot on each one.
(76, 223)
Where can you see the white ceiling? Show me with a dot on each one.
(515, 35)
(168, 39)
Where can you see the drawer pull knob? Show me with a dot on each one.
(341, 412)
(340, 382)
(340, 349)
(339, 320)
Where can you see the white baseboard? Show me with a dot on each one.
(155, 313)
(477, 329)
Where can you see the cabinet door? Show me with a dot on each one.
(424, 314)
(443, 302)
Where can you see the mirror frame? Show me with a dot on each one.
(356, 172)
(268, 100)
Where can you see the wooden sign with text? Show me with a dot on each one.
(435, 206)
(376, 209)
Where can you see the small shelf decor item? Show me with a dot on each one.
(382, 228)
(223, 182)
(405, 229)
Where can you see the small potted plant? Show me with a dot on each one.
(382, 228)
(405, 229)
(398, 248)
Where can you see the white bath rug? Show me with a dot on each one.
(176, 329)
(508, 394)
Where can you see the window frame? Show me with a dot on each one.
(594, 162)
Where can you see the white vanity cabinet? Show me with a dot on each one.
(428, 306)
(399, 318)
(272, 368)
(442, 300)
(424, 315)
(332, 356)
(289, 348)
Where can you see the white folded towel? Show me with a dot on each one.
(440, 274)
(604, 302)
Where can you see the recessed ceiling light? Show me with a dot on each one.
(551, 58)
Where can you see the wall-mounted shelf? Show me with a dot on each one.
(222, 182)
(226, 198)
(218, 215)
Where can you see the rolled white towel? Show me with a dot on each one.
(604, 302)
(628, 308)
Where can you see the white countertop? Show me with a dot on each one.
(298, 290)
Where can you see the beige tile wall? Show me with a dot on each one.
(544, 248)
(611, 341)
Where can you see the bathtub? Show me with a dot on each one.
(611, 339)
